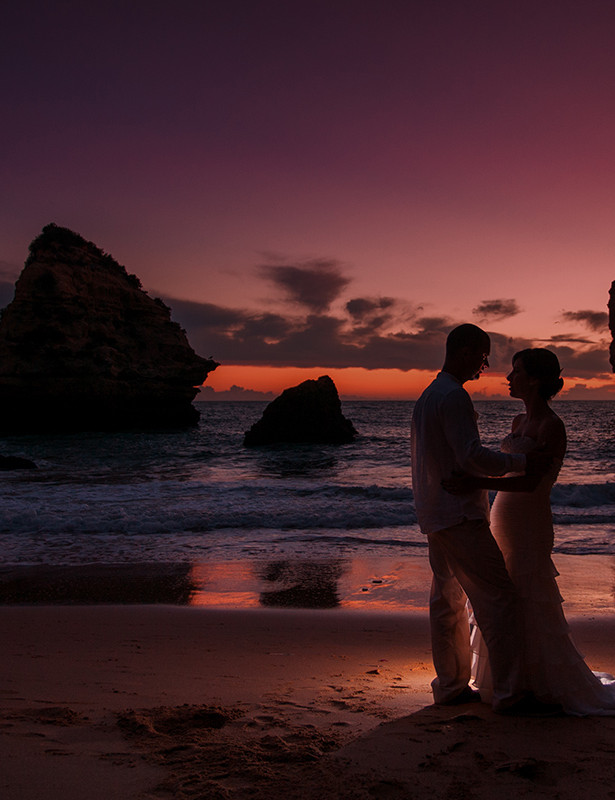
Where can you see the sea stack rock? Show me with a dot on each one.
(83, 347)
(309, 412)
(611, 306)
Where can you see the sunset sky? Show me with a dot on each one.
(327, 187)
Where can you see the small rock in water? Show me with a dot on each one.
(309, 412)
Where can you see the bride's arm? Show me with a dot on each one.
(552, 445)
(463, 484)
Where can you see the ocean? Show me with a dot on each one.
(200, 496)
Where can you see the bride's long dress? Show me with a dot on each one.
(556, 672)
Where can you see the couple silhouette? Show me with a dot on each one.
(498, 630)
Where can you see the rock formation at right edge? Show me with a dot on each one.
(612, 325)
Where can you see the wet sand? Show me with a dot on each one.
(380, 583)
(198, 701)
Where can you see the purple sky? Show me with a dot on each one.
(326, 184)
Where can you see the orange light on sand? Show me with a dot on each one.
(224, 599)
(364, 584)
(386, 584)
(231, 584)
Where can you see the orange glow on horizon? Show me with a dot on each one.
(381, 384)
(384, 384)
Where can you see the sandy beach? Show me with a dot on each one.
(157, 701)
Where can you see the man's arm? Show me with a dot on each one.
(537, 465)
(459, 425)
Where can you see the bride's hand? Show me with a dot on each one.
(460, 483)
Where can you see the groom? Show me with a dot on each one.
(465, 559)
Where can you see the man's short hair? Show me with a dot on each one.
(467, 335)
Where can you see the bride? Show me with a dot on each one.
(521, 523)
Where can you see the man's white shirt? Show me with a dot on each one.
(445, 440)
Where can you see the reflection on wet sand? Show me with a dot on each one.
(374, 583)
(88, 584)
(369, 583)
(301, 584)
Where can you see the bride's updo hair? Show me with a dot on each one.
(543, 365)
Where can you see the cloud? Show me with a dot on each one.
(442, 324)
(369, 314)
(586, 362)
(496, 309)
(503, 348)
(590, 360)
(569, 338)
(361, 308)
(268, 327)
(367, 332)
(208, 393)
(594, 320)
(189, 314)
(314, 284)
(241, 337)
(580, 391)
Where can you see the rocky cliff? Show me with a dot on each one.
(83, 347)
